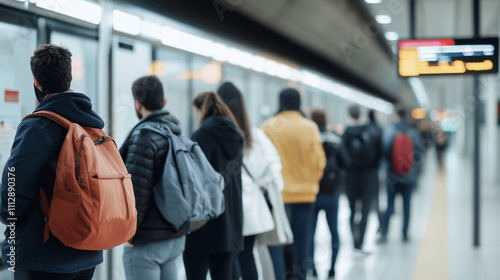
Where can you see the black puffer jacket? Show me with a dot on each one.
(144, 153)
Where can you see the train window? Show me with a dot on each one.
(173, 69)
(238, 76)
(17, 98)
(317, 98)
(255, 97)
(128, 64)
(273, 89)
(207, 77)
(84, 63)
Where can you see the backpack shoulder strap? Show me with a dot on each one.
(163, 130)
(248, 172)
(44, 204)
(52, 116)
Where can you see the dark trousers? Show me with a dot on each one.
(245, 264)
(330, 203)
(405, 188)
(361, 186)
(293, 261)
(41, 275)
(278, 258)
(220, 265)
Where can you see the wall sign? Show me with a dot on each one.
(447, 56)
(12, 96)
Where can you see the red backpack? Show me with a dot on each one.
(93, 204)
(402, 154)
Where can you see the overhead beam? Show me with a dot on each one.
(229, 23)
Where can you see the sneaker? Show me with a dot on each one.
(405, 238)
(314, 273)
(361, 252)
(382, 239)
(331, 274)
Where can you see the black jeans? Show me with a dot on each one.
(86, 274)
(245, 264)
(362, 185)
(330, 203)
(405, 189)
(297, 259)
(220, 265)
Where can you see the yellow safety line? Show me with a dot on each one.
(432, 260)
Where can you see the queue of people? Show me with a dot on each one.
(274, 180)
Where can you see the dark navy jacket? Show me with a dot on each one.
(34, 156)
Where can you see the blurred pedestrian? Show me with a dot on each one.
(363, 146)
(376, 132)
(402, 147)
(260, 174)
(153, 251)
(214, 246)
(441, 140)
(30, 172)
(299, 145)
(329, 186)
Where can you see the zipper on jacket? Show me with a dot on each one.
(78, 162)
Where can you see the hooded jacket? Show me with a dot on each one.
(222, 144)
(144, 153)
(299, 145)
(35, 153)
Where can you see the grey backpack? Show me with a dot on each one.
(190, 191)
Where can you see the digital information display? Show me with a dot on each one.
(447, 56)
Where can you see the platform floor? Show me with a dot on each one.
(393, 260)
(440, 229)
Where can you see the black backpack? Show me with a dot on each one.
(363, 149)
(331, 176)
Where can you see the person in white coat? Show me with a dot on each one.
(261, 183)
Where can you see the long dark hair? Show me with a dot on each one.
(235, 102)
(210, 104)
(318, 115)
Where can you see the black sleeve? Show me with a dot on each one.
(142, 157)
(344, 158)
(377, 132)
(205, 141)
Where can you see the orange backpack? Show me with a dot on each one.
(93, 204)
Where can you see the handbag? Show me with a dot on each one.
(282, 233)
(264, 191)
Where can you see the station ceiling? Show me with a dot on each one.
(444, 19)
(339, 38)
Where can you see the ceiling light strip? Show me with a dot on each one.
(191, 43)
(79, 9)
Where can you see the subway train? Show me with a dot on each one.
(113, 44)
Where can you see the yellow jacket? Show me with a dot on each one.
(298, 142)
